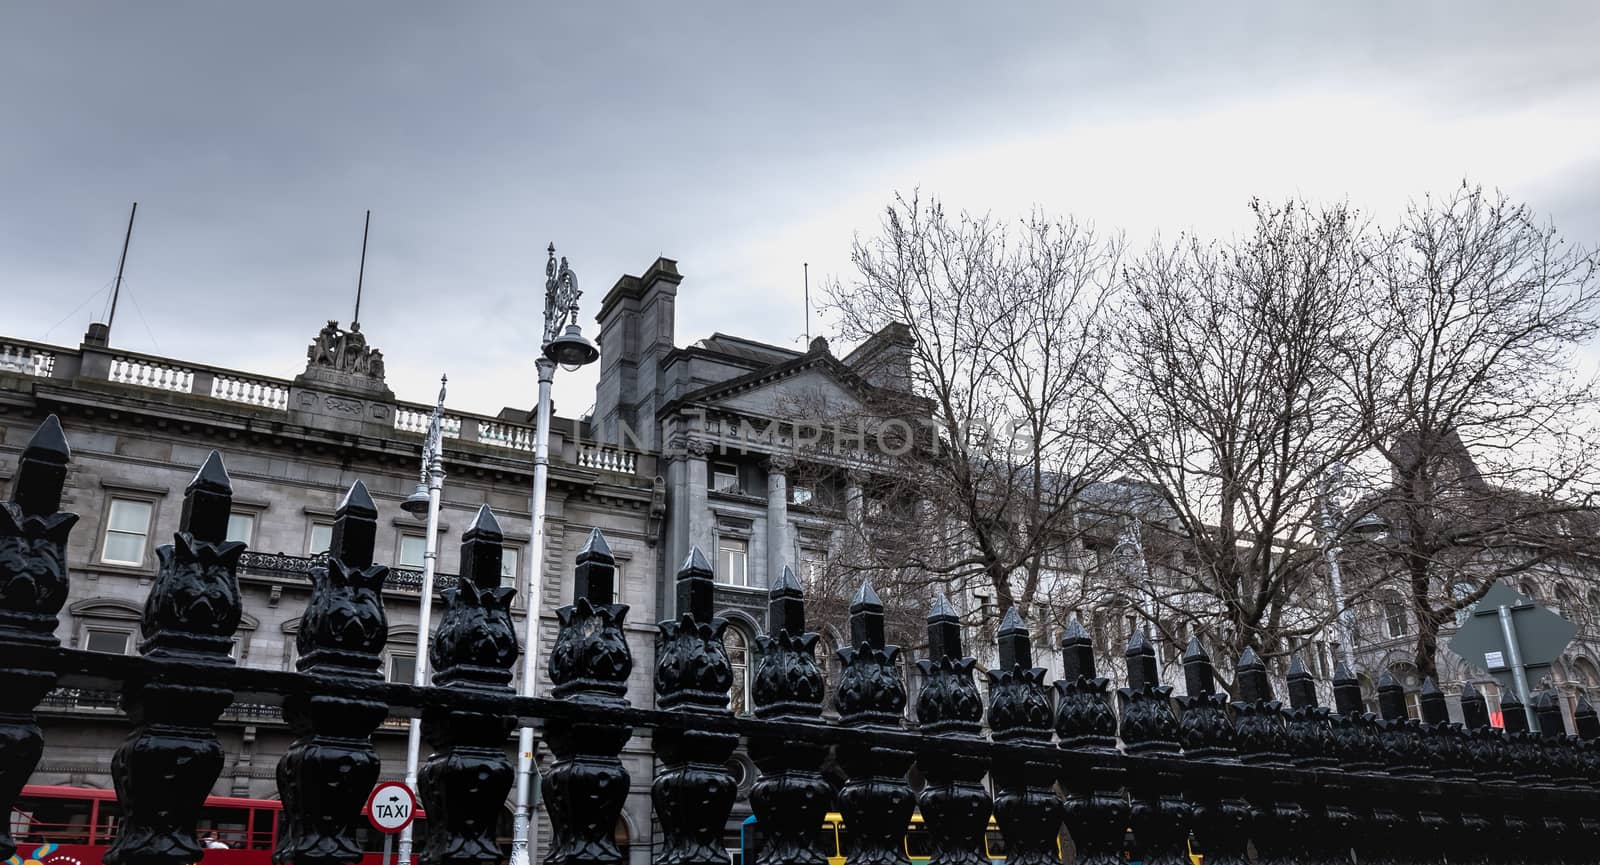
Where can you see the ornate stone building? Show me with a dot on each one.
(140, 426)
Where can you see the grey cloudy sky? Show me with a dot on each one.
(738, 138)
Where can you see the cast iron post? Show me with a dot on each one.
(164, 770)
(465, 781)
(325, 775)
(587, 787)
(955, 803)
(1019, 711)
(694, 790)
(1160, 817)
(791, 796)
(33, 587)
(1095, 811)
(876, 802)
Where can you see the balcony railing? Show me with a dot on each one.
(294, 567)
(26, 359)
(273, 395)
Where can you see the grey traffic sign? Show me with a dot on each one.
(1515, 647)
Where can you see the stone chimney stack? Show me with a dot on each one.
(636, 331)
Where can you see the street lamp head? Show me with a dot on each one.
(571, 349)
(1369, 526)
(416, 504)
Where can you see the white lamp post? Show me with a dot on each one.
(424, 503)
(1370, 524)
(563, 344)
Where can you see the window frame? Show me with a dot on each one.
(151, 502)
(715, 468)
(400, 546)
(311, 535)
(723, 573)
(245, 513)
(89, 628)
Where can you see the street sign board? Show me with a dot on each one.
(391, 807)
(1541, 636)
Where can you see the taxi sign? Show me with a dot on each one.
(391, 807)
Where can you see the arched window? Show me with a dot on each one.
(828, 661)
(738, 645)
(1395, 619)
(1565, 603)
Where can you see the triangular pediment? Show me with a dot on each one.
(812, 386)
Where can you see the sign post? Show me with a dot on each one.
(1508, 635)
(391, 808)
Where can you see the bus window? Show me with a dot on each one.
(48, 820)
(995, 842)
(919, 844)
(260, 834)
(232, 826)
(110, 817)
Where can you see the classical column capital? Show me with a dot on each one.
(780, 463)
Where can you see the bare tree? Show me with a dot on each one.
(1468, 382)
(1007, 346)
(1230, 391)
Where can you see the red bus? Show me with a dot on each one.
(76, 825)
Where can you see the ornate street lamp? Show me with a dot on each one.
(1366, 528)
(564, 344)
(424, 504)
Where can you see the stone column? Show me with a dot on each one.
(699, 515)
(853, 502)
(777, 515)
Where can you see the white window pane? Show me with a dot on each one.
(402, 668)
(242, 527)
(732, 561)
(412, 548)
(508, 566)
(124, 548)
(321, 538)
(110, 642)
(129, 516)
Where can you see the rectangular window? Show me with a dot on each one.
(1413, 705)
(412, 550)
(725, 477)
(110, 642)
(508, 567)
(733, 561)
(402, 668)
(242, 527)
(127, 532)
(813, 565)
(320, 539)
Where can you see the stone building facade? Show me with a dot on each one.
(140, 426)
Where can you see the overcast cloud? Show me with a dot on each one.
(740, 140)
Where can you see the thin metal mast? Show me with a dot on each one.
(807, 266)
(117, 291)
(362, 273)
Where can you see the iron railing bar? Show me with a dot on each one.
(94, 670)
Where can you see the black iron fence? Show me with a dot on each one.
(1302, 783)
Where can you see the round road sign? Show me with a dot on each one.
(391, 807)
